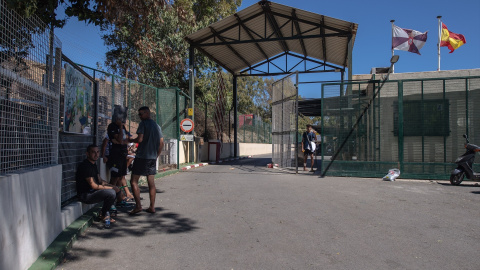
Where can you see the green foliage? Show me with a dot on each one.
(44, 9)
(146, 43)
(151, 47)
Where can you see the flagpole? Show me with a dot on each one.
(393, 53)
(439, 39)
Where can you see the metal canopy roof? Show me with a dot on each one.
(266, 31)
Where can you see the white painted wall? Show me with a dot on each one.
(31, 215)
(244, 149)
(247, 149)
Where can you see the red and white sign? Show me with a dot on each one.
(186, 125)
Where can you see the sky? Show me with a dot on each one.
(83, 44)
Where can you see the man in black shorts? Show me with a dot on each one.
(150, 145)
(117, 160)
(90, 187)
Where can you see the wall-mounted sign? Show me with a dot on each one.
(186, 137)
(186, 125)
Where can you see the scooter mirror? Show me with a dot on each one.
(465, 136)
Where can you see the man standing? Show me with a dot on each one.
(90, 187)
(150, 145)
(308, 146)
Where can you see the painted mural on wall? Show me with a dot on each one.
(78, 102)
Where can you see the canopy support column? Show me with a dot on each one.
(235, 117)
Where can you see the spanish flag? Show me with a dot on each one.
(451, 40)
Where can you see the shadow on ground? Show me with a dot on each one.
(143, 223)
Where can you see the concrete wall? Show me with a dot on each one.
(31, 215)
(227, 150)
(247, 149)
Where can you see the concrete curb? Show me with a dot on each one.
(229, 159)
(193, 166)
(55, 252)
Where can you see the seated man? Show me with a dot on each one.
(90, 187)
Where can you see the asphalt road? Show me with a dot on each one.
(241, 215)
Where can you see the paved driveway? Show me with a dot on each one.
(241, 215)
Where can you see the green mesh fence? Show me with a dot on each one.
(413, 125)
(167, 106)
(253, 130)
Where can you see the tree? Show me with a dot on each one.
(44, 9)
(152, 45)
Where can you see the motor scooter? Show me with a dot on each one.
(465, 164)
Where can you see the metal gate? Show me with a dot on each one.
(415, 125)
(285, 122)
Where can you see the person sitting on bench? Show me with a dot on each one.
(90, 187)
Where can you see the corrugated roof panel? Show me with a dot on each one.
(226, 57)
(271, 48)
(295, 46)
(258, 27)
(285, 26)
(250, 52)
(336, 50)
(314, 48)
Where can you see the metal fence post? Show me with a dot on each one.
(113, 93)
(177, 101)
(264, 139)
(129, 105)
(400, 125)
(422, 117)
(244, 139)
(252, 128)
(466, 105)
(322, 133)
(296, 124)
(95, 120)
(444, 137)
(157, 109)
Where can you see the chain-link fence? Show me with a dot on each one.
(285, 121)
(29, 92)
(49, 107)
(415, 125)
(167, 106)
(253, 130)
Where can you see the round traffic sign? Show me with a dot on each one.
(186, 125)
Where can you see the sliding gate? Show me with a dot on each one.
(285, 122)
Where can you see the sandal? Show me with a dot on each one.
(134, 212)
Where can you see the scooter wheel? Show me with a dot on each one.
(456, 179)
